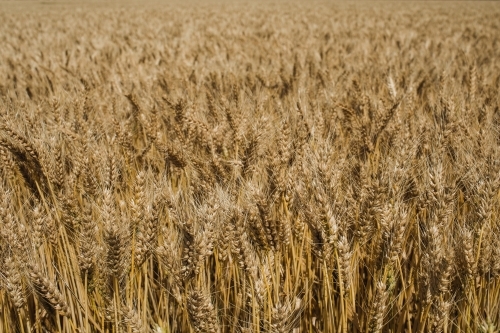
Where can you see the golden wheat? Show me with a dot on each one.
(302, 167)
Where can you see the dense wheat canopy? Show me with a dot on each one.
(243, 167)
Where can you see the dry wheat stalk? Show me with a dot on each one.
(13, 282)
(202, 313)
(47, 290)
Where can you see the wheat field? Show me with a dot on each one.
(250, 167)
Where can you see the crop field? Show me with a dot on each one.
(248, 167)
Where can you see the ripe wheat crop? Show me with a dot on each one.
(327, 167)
